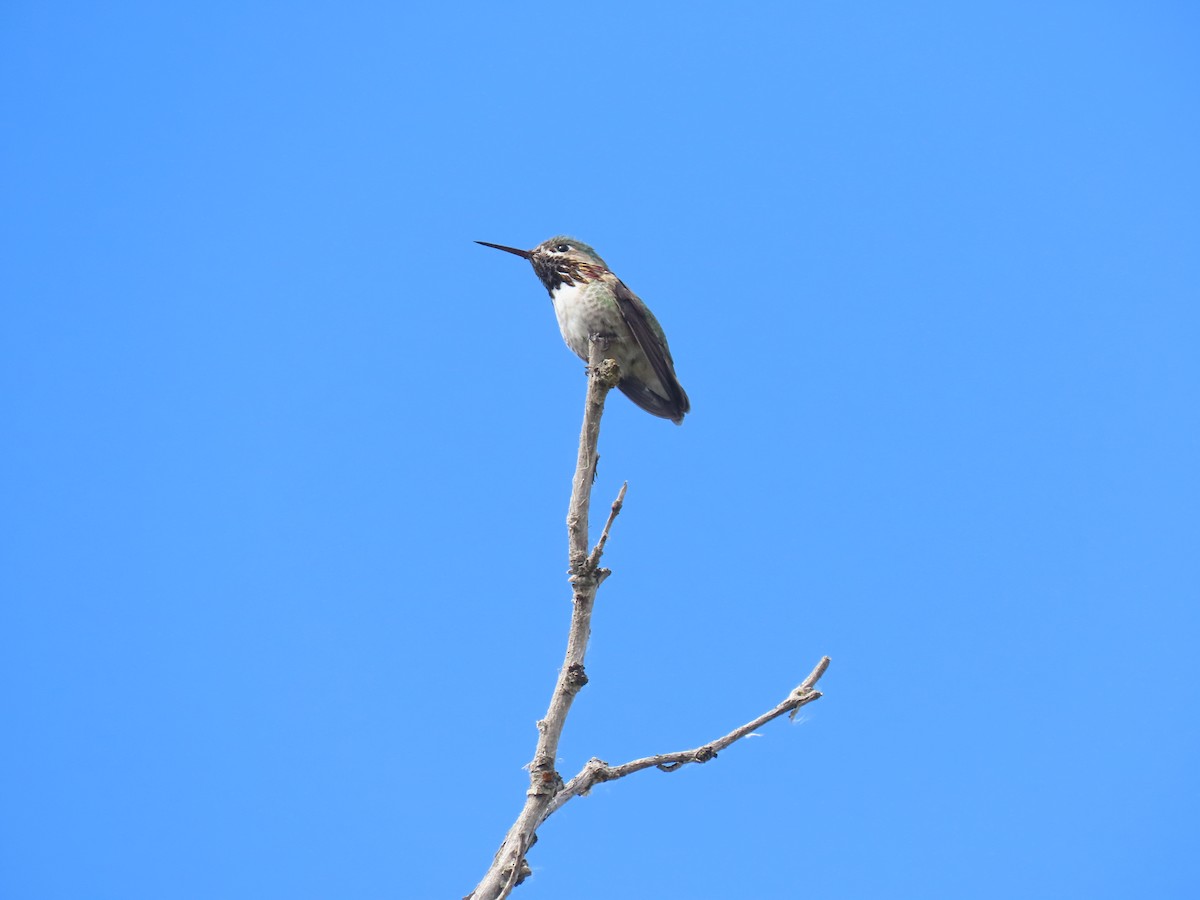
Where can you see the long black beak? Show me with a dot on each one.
(524, 254)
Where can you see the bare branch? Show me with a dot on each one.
(547, 792)
(508, 867)
(596, 771)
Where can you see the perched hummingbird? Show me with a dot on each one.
(589, 299)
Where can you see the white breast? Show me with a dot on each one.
(571, 304)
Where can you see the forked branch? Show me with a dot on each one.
(547, 792)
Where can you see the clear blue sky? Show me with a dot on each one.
(286, 455)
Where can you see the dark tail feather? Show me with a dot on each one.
(653, 403)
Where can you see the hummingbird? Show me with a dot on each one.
(590, 300)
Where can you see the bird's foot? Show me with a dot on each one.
(600, 340)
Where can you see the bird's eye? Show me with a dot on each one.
(562, 248)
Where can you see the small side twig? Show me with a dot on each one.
(596, 771)
(598, 551)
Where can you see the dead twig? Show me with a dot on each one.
(598, 551)
(596, 771)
